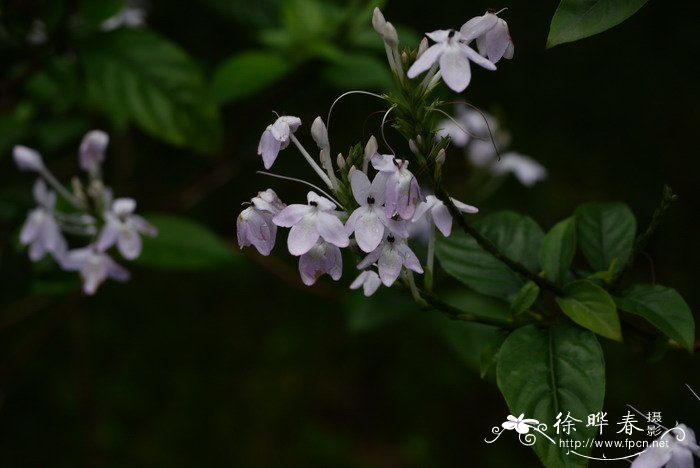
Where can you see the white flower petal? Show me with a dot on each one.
(455, 70)
(477, 26)
(332, 229)
(442, 218)
(369, 231)
(302, 236)
(291, 215)
(268, 148)
(476, 58)
(129, 244)
(426, 60)
(359, 182)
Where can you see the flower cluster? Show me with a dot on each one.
(374, 204)
(90, 212)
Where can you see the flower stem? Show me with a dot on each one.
(430, 260)
(65, 193)
(312, 163)
(455, 313)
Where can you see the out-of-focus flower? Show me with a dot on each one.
(440, 214)
(132, 15)
(369, 281)
(309, 222)
(94, 266)
(676, 451)
(391, 255)
(525, 169)
(41, 231)
(322, 258)
(27, 159)
(92, 150)
(454, 57)
(276, 138)
(123, 228)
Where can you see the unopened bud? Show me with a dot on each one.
(27, 159)
(391, 37)
(319, 133)
(378, 21)
(371, 147)
(340, 161)
(404, 58)
(412, 146)
(92, 150)
(77, 187)
(419, 140)
(422, 47)
(440, 158)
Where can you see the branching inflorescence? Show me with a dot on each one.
(88, 213)
(372, 202)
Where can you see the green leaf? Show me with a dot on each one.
(359, 72)
(558, 249)
(605, 231)
(664, 308)
(97, 11)
(576, 19)
(184, 244)
(525, 298)
(517, 236)
(247, 73)
(591, 306)
(140, 76)
(490, 354)
(542, 372)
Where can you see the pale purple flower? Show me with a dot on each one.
(132, 15)
(254, 225)
(94, 266)
(369, 281)
(92, 150)
(309, 222)
(492, 36)
(123, 228)
(676, 452)
(27, 159)
(391, 255)
(40, 231)
(322, 258)
(525, 169)
(440, 214)
(276, 137)
(402, 191)
(369, 220)
(453, 56)
(468, 126)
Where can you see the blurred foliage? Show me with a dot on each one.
(236, 363)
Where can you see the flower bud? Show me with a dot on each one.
(440, 158)
(371, 147)
(419, 140)
(27, 159)
(340, 161)
(92, 150)
(320, 133)
(412, 146)
(404, 58)
(422, 47)
(391, 37)
(378, 21)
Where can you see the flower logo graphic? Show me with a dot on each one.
(522, 426)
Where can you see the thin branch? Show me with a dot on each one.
(455, 313)
(491, 248)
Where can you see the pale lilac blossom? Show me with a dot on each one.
(322, 258)
(453, 55)
(492, 36)
(95, 266)
(439, 213)
(254, 225)
(676, 451)
(368, 280)
(276, 137)
(525, 169)
(92, 150)
(27, 159)
(391, 256)
(402, 190)
(124, 228)
(309, 222)
(41, 231)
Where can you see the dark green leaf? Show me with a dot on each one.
(490, 353)
(576, 19)
(247, 73)
(184, 244)
(525, 298)
(605, 231)
(97, 11)
(591, 306)
(558, 249)
(519, 237)
(664, 308)
(138, 75)
(542, 372)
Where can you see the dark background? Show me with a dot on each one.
(245, 366)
